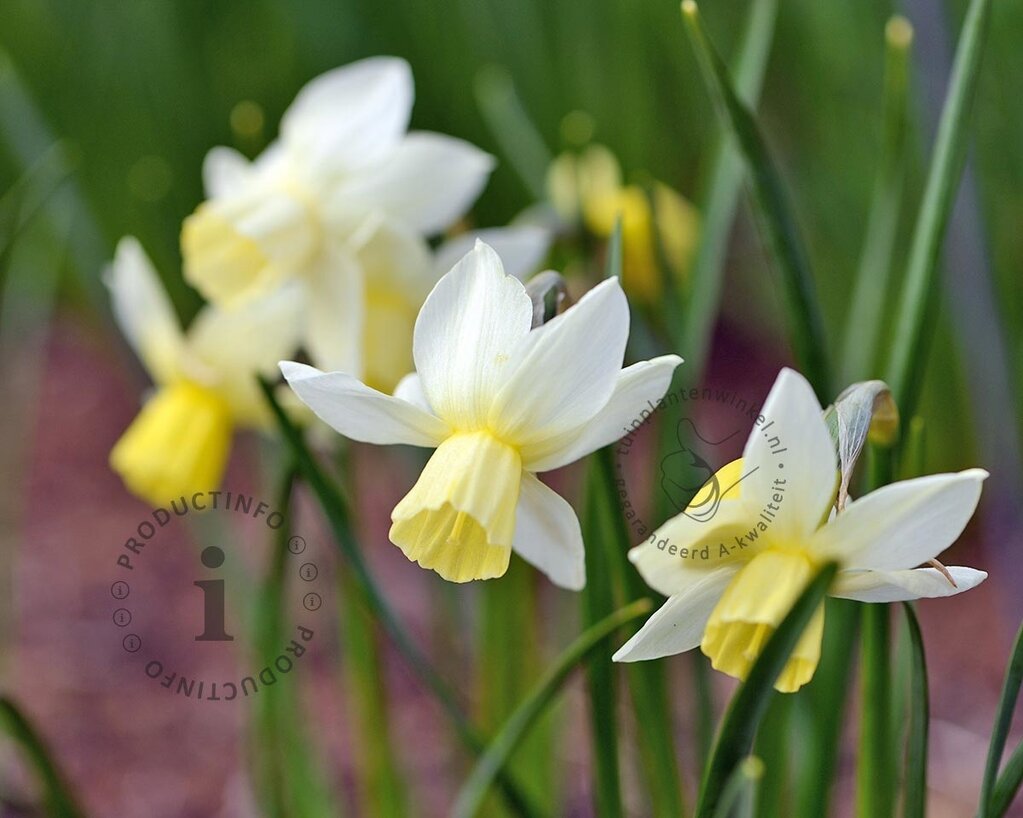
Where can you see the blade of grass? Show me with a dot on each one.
(739, 726)
(290, 777)
(598, 603)
(647, 681)
(914, 324)
(508, 665)
(475, 788)
(59, 800)
(741, 795)
(1003, 721)
(771, 208)
(720, 199)
(915, 805)
(1008, 784)
(512, 128)
(867, 314)
(335, 509)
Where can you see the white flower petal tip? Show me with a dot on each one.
(907, 585)
(360, 413)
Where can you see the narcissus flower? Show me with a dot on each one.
(304, 210)
(205, 378)
(730, 580)
(589, 188)
(500, 402)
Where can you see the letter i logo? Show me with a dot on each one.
(213, 599)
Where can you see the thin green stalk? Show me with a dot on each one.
(772, 209)
(381, 787)
(598, 603)
(1008, 784)
(57, 796)
(474, 790)
(915, 321)
(508, 665)
(336, 511)
(915, 805)
(720, 199)
(875, 781)
(773, 745)
(290, 778)
(739, 726)
(1003, 721)
(866, 319)
(648, 682)
(742, 794)
(512, 128)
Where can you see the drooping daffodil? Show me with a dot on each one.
(589, 188)
(303, 210)
(500, 402)
(204, 379)
(731, 579)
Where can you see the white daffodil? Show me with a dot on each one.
(500, 402)
(205, 378)
(299, 212)
(731, 579)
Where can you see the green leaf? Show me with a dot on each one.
(771, 207)
(915, 805)
(336, 510)
(474, 790)
(289, 777)
(868, 310)
(60, 803)
(720, 198)
(741, 794)
(875, 780)
(1003, 721)
(740, 723)
(597, 603)
(915, 320)
(1008, 784)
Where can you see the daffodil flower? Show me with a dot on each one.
(204, 379)
(589, 188)
(299, 212)
(730, 580)
(500, 402)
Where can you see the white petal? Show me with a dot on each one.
(143, 310)
(904, 524)
(410, 389)
(224, 171)
(351, 116)
(547, 534)
(566, 370)
(792, 445)
(900, 586)
(638, 386)
(361, 413)
(522, 249)
(428, 182)
(677, 626)
(335, 311)
(685, 549)
(230, 347)
(468, 329)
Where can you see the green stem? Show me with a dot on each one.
(336, 511)
(474, 790)
(919, 714)
(915, 321)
